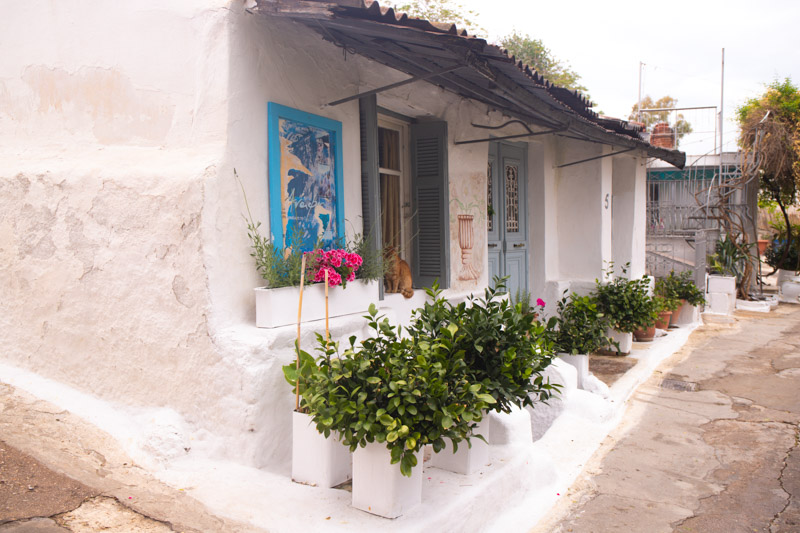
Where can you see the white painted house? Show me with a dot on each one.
(126, 265)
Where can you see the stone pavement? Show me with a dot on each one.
(60, 474)
(709, 444)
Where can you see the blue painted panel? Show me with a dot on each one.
(306, 193)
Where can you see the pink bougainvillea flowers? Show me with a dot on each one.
(340, 265)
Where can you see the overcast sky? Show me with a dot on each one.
(680, 43)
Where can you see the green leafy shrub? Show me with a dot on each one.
(403, 392)
(729, 258)
(626, 303)
(680, 287)
(580, 326)
(504, 347)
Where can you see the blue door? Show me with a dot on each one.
(508, 224)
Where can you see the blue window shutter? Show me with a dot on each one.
(430, 194)
(370, 179)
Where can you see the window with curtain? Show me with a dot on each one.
(390, 169)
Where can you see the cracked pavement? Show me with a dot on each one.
(721, 458)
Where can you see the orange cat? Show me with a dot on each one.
(398, 278)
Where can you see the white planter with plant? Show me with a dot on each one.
(628, 307)
(354, 273)
(317, 460)
(378, 485)
(469, 457)
(578, 329)
(272, 304)
(392, 393)
(503, 347)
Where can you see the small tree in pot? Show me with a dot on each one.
(627, 303)
(505, 349)
(391, 392)
(578, 330)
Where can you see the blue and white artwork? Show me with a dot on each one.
(305, 179)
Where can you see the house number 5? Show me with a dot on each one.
(606, 201)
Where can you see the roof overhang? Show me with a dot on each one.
(468, 66)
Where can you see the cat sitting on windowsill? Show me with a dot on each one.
(398, 277)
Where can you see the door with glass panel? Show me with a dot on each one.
(507, 215)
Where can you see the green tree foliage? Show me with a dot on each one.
(780, 144)
(536, 55)
(445, 11)
(770, 134)
(681, 125)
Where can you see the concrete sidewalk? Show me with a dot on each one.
(708, 444)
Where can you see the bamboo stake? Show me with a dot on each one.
(327, 331)
(299, 315)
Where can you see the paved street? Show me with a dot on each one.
(709, 444)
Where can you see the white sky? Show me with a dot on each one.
(680, 43)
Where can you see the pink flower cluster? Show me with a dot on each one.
(340, 265)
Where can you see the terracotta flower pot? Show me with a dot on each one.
(762, 246)
(663, 319)
(645, 335)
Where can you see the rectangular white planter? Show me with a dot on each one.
(316, 460)
(724, 284)
(467, 460)
(720, 303)
(686, 314)
(379, 487)
(580, 362)
(625, 341)
(278, 307)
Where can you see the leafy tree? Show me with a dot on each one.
(447, 11)
(536, 55)
(682, 126)
(770, 136)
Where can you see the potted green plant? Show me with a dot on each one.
(578, 329)
(681, 287)
(387, 397)
(665, 305)
(355, 262)
(627, 305)
(505, 348)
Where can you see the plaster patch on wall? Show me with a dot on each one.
(104, 100)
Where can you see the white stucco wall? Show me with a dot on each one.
(629, 214)
(584, 210)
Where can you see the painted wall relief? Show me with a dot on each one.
(468, 229)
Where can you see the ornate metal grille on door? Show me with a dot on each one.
(512, 199)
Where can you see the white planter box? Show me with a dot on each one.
(686, 314)
(720, 303)
(467, 460)
(316, 460)
(278, 307)
(625, 341)
(724, 284)
(581, 364)
(379, 487)
(788, 286)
